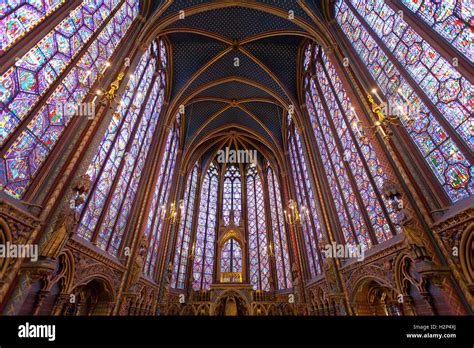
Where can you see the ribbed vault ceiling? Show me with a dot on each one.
(234, 67)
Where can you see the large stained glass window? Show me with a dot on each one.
(354, 174)
(231, 256)
(19, 17)
(161, 210)
(444, 86)
(178, 278)
(204, 250)
(85, 40)
(232, 195)
(31, 76)
(452, 19)
(305, 199)
(408, 69)
(280, 242)
(259, 264)
(207, 211)
(116, 169)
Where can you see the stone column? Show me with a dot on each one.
(40, 297)
(61, 300)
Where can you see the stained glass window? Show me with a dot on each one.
(259, 264)
(391, 50)
(17, 18)
(24, 84)
(203, 265)
(231, 256)
(232, 195)
(163, 55)
(305, 200)
(31, 76)
(452, 19)
(280, 242)
(446, 88)
(113, 148)
(197, 248)
(307, 57)
(117, 167)
(354, 174)
(161, 210)
(180, 264)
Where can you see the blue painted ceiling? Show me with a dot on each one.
(261, 86)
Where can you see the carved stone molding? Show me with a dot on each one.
(21, 223)
(39, 270)
(456, 233)
(378, 265)
(375, 272)
(451, 229)
(85, 248)
(16, 227)
(88, 269)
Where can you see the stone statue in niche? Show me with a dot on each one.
(329, 269)
(167, 285)
(67, 220)
(296, 282)
(330, 273)
(137, 267)
(413, 233)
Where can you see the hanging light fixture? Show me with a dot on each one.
(104, 95)
(294, 214)
(379, 108)
(174, 211)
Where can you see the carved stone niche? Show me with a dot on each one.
(67, 220)
(137, 266)
(19, 222)
(466, 256)
(456, 232)
(414, 234)
(5, 237)
(16, 226)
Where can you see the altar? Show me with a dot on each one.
(231, 299)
